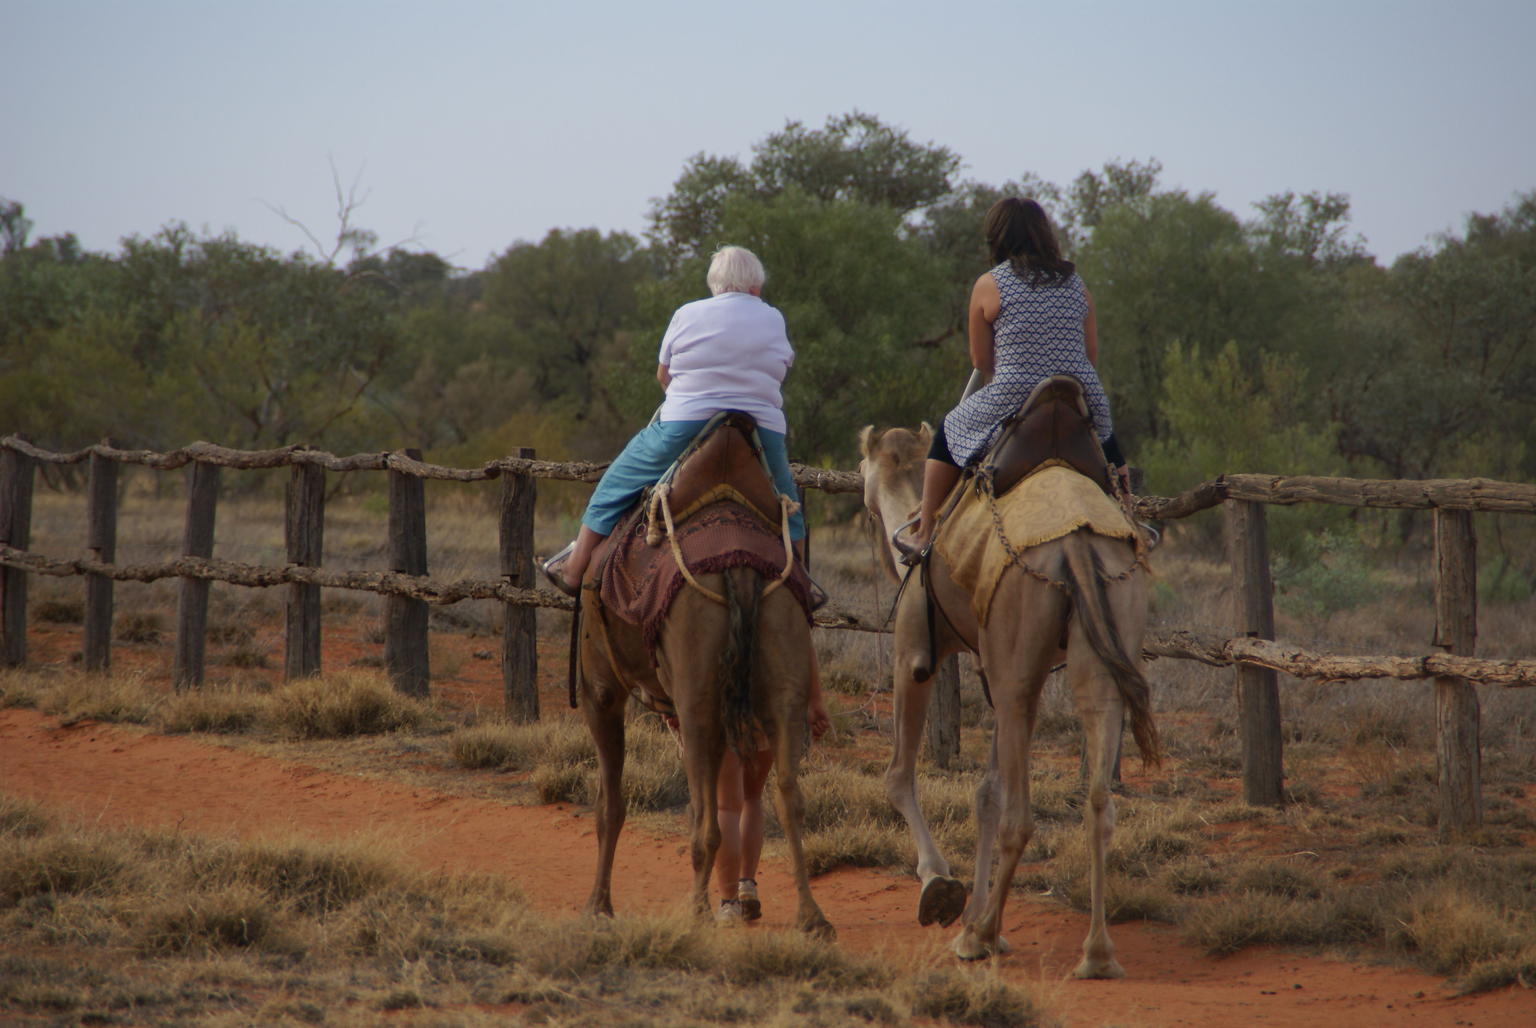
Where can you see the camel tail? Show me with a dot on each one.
(743, 589)
(1084, 573)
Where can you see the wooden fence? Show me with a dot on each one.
(408, 589)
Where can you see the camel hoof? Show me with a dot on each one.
(1099, 969)
(942, 901)
(968, 946)
(819, 927)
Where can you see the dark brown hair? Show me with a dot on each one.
(1019, 232)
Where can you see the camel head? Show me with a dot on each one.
(892, 466)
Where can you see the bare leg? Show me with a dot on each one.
(938, 479)
(729, 808)
(754, 775)
(575, 566)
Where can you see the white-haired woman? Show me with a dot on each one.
(727, 352)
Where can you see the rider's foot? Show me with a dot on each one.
(554, 570)
(746, 895)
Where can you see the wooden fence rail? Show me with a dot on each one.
(408, 588)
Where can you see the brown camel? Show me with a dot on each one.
(731, 656)
(1083, 588)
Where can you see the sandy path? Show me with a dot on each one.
(122, 776)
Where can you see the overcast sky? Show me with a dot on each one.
(471, 125)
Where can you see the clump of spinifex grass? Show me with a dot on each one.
(329, 706)
(563, 761)
(176, 929)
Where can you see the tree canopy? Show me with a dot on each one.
(1228, 340)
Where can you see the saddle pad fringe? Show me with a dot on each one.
(1053, 502)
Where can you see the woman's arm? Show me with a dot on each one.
(664, 376)
(1091, 332)
(985, 302)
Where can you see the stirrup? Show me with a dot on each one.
(551, 566)
(907, 555)
(816, 598)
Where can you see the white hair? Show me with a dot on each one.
(735, 269)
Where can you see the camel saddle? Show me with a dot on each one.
(725, 513)
(1052, 426)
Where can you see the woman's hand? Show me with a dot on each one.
(817, 717)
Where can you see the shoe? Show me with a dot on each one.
(729, 913)
(551, 567)
(746, 895)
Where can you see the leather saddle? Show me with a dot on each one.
(1052, 426)
(725, 461)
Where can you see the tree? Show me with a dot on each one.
(553, 308)
(857, 293)
(1443, 379)
(855, 158)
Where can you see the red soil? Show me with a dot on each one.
(124, 776)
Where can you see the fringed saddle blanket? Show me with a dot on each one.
(1051, 503)
(639, 582)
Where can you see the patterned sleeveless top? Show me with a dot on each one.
(1038, 333)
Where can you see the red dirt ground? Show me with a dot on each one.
(124, 776)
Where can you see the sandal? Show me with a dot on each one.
(551, 567)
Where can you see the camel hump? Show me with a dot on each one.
(725, 461)
(1053, 425)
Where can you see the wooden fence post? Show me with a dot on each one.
(192, 608)
(1457, 743)
(944, 714)
(16, 475)
(1258, 688)
(519, 635)
(405, 632)
(304, 532)
(101, 543)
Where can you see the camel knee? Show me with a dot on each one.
(899, 786)
(1015, 832)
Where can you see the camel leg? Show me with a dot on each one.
(603, 709)
(791, 804)
(943, 896)
(987, 810)
(702, 752)
(1101, 711)
(1026, 648)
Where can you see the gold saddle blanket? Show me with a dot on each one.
(1053, 502)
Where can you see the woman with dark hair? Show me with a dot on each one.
(1030, 317)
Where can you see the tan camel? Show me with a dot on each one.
(1084, 588)
(732, 658)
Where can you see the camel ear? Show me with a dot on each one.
(925, 433)
(868, 437)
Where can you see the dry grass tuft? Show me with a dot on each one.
(1451, 931)
(342, 704)
(858, 844)
(977, 997)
